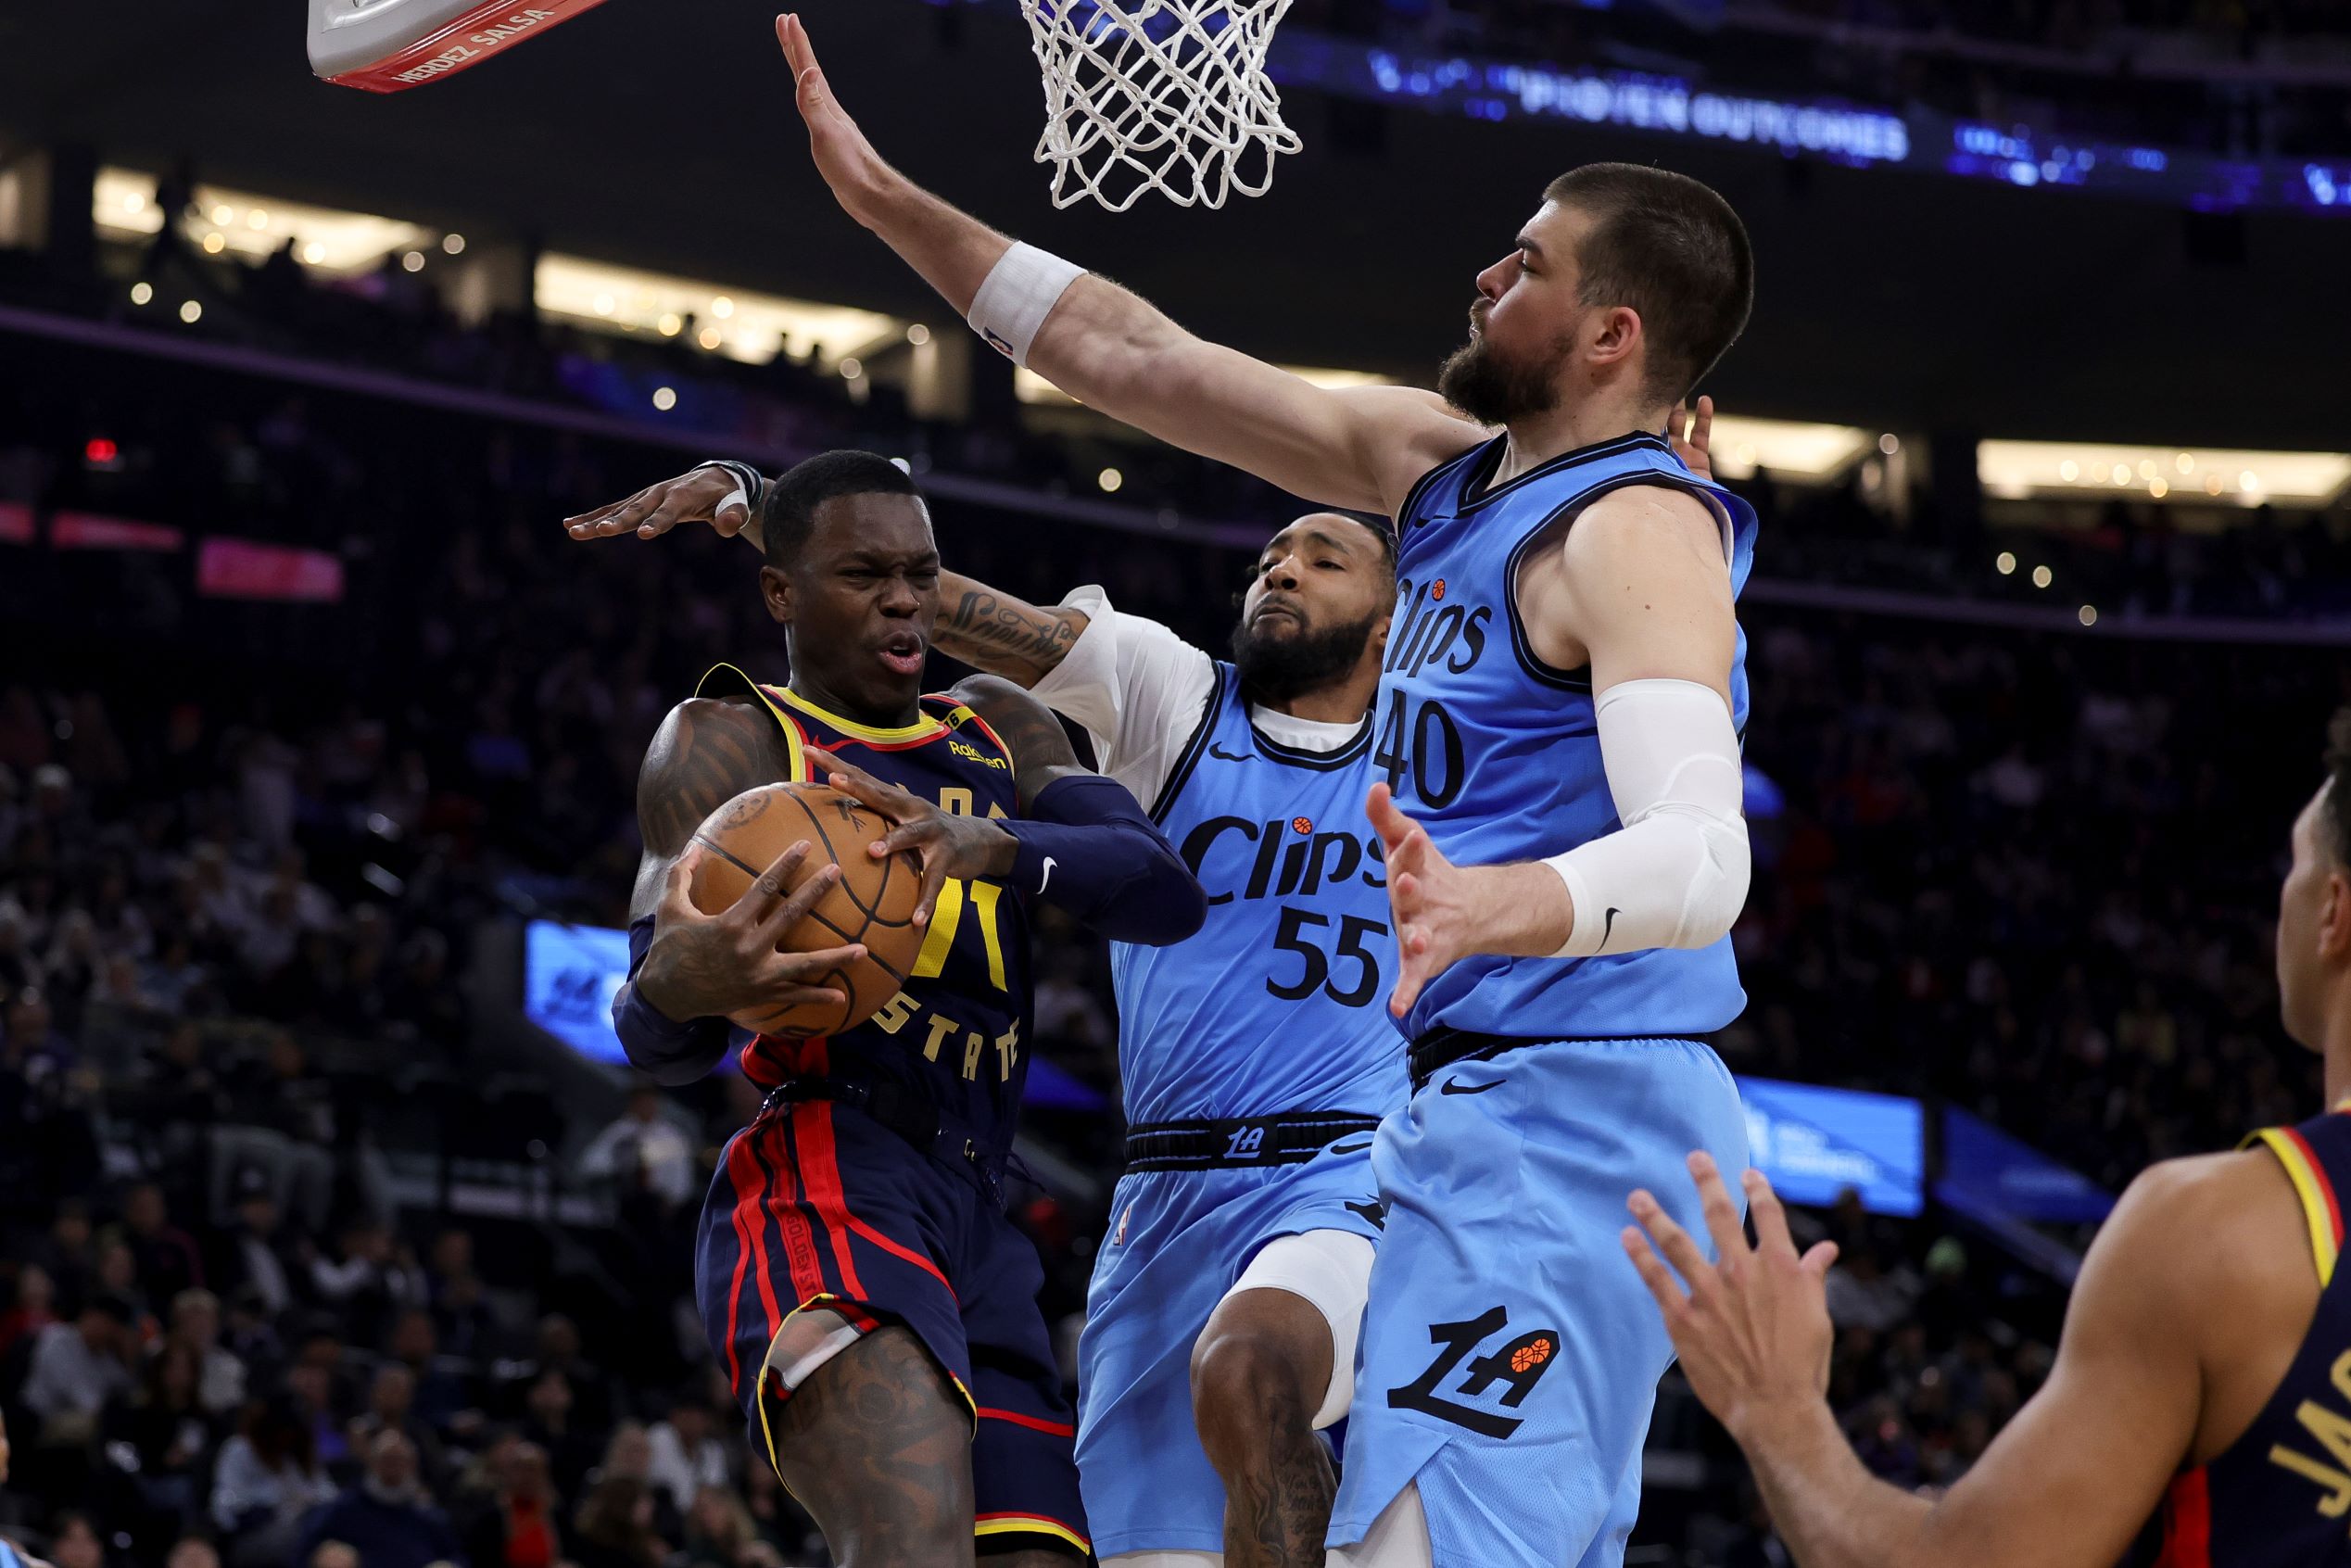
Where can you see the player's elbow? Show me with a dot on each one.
(1160, 906)
(1723, 867)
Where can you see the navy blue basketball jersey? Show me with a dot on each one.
(1498, 754)
(2276, 1497)
(958, 1028)
(1278, 1004)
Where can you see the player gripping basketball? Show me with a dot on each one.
(1562, 699)
(2206, 1365)
(856, 1273)
(1221, 1326)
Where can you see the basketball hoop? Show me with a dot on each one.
(1166, 96)
(390, 45)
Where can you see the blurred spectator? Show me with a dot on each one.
(642, 1149)
(388, 1518)
(391, 1407)
(268, 1479)
(684, 1452)
(33, 1310)
(518, 1529)
(719, 1533)
(195, 1326)
(615, 1527)
(77, 1368)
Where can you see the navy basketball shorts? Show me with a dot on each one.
(813, 1206)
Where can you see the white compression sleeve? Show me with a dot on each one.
(1675, 874)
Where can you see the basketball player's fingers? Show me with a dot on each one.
(1701, 427)
(798, 971)
(934, 876)
(1672, 1241)
(792, 910)
(673, 508)
(1662, 1284)
(1771, 1219)
(1716, 1206)
(1389, 823)
(859, 785)
(731, 519)
(599, 523)
(770, 887)
(676, 903)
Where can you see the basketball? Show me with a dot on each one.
(874, 901)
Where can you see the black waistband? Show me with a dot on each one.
(908, 1113)
(1441, 1047)
(1238, 1142)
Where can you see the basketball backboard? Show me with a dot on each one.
(390, 45)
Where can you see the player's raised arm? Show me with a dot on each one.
(2065, 1485)
(1360, 448)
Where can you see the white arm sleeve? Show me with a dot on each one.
(1136, 686)
(1675, 874)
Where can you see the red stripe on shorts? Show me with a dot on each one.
(1059, 1429)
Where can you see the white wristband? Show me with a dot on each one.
(1020, 293)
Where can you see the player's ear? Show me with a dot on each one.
(775, 592)
(1380, 637)
(1616, 335)
(2334, 918)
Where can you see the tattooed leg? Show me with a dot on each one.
(877, 1446)
(1259, 1371)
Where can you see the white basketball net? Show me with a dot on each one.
(1166, 96)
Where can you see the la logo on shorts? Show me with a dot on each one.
(1513, 1368)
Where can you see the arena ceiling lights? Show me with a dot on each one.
(240, 223)
(1786, 448)
(2205, 475)
(735, 322)
(1030, 388)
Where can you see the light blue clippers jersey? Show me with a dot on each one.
(1280, 1003)
(1498, 755)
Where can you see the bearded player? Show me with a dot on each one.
(2205, 1375)
(1560, 707)
(860, 1283)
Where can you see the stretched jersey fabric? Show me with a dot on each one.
(1497, 753)
(2277, 1496)
(1275, 1004)
(955, 1032)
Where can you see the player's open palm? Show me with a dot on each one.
(843, 156)
(1431, 902)
(703, 495)
(1753, 1329)
(727, 965)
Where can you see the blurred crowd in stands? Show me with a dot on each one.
(253, 858)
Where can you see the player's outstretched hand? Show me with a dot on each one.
(700, 495)
(856, 173)
(947, 843)
(1430, 901)
(726, 965)
(1752, 1330)
(1692, 438)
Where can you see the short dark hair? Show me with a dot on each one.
(2338, 789)
(787, 509)
(1671, 248)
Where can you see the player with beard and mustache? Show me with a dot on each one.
(1221, 1332)
(1559, 713)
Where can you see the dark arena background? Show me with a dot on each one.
(319, 737)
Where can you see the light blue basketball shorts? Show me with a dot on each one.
(1511, 1353)
(1179, 1241)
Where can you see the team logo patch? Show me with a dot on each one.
(1500, 1381)
(1119, 1237)
(1302, 826)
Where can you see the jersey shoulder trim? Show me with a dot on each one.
(1420, 487)
(1321, 762)
(726, 681)
(1474, 492)
(1220, 689)
(881, 737)
(2321, 1211)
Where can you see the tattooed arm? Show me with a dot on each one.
(708, 750)
(1005, 635)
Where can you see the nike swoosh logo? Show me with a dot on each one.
(1351, 1148)
(1220, 753)
(1048, 875)
(1609, 925)
(1454, 1086)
